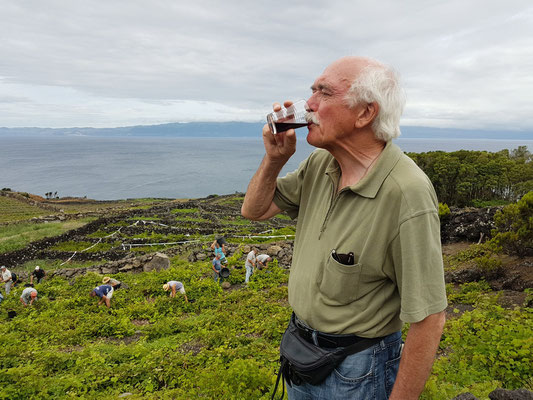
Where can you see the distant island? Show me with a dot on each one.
(246, 129)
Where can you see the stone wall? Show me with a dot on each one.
(130, 263)
(469, 224)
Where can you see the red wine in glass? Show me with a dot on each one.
(285, 126)
(292, 117)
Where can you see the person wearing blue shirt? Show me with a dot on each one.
(218, 248)
(105, 292)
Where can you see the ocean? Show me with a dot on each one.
(121, 168)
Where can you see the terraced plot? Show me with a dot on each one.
(12, 210)
(167, 226)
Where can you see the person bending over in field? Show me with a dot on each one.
(175, 286)
(29, 295)
(105, 292)
(263, 260)
(116, 284)
(38, 274)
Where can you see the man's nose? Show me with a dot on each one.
(312, 103)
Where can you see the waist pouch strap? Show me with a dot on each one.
(302, 361)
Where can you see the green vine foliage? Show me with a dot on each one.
(486, 348)
(223, 344)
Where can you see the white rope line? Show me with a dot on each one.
(263, 237)
(99, 240)
(156, 223)
(71, 257)
(130, 245)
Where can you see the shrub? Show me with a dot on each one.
(514, 227)
(444, 211)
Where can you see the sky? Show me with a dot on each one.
(109, 63)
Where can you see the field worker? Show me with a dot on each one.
(175, 286)
(217, 267)
(6, 278)
(263, 260)
(29, 295)
(249, 264)
(367, 253)
(1, 297)
(105, 292)
(38, 273)
(111, 281)
(218, 248)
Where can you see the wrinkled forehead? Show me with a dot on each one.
(343, 72)
(339, 75)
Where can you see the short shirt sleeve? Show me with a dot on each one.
(289, 190)
(417, 257)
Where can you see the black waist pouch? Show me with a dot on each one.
(302, 361)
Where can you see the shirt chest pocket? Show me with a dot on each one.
(340, 283)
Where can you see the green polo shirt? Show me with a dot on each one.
(389, 220)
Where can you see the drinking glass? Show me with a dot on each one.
(292, 117)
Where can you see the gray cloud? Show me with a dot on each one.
(109, 63)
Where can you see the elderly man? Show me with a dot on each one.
(367, 254)
(263, 260)
(249, 264)
(6, 278)
(29, 295)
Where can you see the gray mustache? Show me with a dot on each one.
(311, 117)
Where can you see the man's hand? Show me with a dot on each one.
(279, 147)
(258, 203)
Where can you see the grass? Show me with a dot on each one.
(237, 221)
(81, 246)
(234, 201)
(12, 210)
(87, 205)
(15, 237)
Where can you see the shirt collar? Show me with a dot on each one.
(370, 184)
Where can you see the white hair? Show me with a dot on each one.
(381, 84)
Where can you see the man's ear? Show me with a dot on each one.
(366, 114)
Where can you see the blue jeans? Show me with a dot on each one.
(216, 276)
(249, 273)
(367, 375)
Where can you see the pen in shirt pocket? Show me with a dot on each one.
(346, 259)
